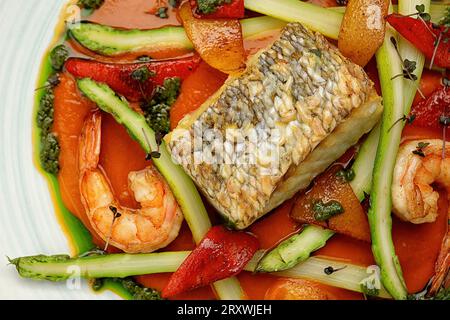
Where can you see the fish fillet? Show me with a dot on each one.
(266, 134)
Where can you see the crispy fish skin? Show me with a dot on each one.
(291, 97)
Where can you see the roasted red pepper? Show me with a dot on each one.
(233, 10)
(430, 39)
(221, 254)
(119, 76)
(428, 111)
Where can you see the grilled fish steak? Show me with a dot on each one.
(271, 129)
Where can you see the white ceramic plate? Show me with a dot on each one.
(28, 223)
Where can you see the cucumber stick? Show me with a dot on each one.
(111, 41)
(182, 186)
(327, 22)
(295, 249)
(380, 221)
(121, 265)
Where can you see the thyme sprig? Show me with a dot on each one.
(51, 82)
(421, 13)
(161, 9)
(141, 75)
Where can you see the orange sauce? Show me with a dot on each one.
(254, 44)
(411, 132)
(132, 14)
(274, 227)
(195, 90)
(417, 246)
(120, 155)
(69, 114)
(300, 289)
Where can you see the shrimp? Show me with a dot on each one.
(153, 226)
(441, 271)
(420, 164)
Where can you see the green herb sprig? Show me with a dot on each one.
(136, 290)
(346, 174)
(326, 210)
(90, 4)
(419, 149)
(408, 119)
(58, 57)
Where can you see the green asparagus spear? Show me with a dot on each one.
(62, 267)
(295, 249)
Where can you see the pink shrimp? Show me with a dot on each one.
(153, 226)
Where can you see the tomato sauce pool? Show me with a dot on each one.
(120, 155)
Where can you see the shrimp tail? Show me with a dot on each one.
(90, 142)
(442, 267)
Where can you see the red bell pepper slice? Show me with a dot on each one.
(233, 10)
(221, 254)
(428, 111)
(424, 36)
(118, 76)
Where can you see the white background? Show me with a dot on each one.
(28, 223)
